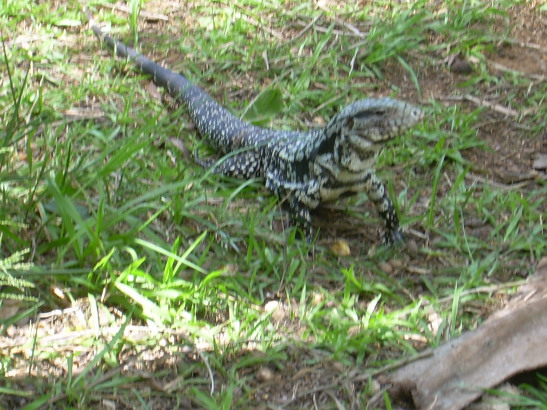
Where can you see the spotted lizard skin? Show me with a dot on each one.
(304, 167)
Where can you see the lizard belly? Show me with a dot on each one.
(350, 184)
(331, 194)
(336, 181)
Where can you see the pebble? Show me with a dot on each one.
(265, 374)
(412, 247)
(386, 267)
(340, 248)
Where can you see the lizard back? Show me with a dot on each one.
(223, 129)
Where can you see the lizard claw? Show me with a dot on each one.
(394, 237)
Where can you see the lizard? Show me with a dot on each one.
(304, 167)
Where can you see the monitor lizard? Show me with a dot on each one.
(304, 167)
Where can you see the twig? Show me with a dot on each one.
(505, 69)
(351, 28)
(209, 370)
(342, 23)
(352, 62)
(305, 29)
(527, 45)
(266, 61)
(495, 107)
(84, 113)
(328, 102)
(418, 270)
(416, 233)
(342, 33)
(504, 187)
(257, 23)
(483, 289)
(482, 102)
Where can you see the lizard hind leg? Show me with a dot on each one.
(301, 218)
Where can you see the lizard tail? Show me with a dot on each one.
(176, 84)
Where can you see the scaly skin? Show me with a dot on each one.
(305, 167)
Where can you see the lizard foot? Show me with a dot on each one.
(394, 237)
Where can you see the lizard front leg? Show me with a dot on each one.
(377, 193)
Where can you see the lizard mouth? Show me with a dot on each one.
(364, 143)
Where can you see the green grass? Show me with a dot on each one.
(103, 207)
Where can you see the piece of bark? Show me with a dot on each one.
(512, 341)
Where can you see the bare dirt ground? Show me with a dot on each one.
(509, 160)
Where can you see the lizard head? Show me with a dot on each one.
(376, 119)
(354, 136)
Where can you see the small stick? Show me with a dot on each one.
(305, 29)
(495, 107)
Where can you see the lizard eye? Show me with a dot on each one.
(417, 113)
